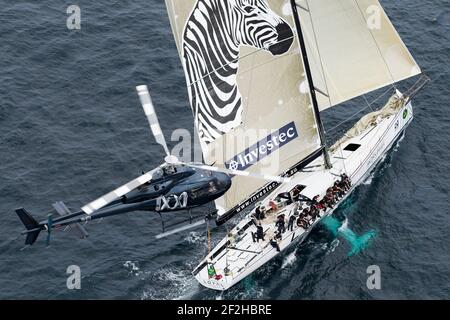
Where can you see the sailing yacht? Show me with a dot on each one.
(259, 73)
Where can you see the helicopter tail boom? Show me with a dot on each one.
(32, 226)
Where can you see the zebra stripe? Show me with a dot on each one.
(212, 37)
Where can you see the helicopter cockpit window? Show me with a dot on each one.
(204, 191)
(162, 185)
(212, 187)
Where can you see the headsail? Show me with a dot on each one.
(353, 48)
(247, 86)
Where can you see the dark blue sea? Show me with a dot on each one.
(72, 129)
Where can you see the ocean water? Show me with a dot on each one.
(71, 128)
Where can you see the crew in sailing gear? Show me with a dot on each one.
(260, 213)
(278, 236)
(295, 193)
(329, 198)
(346, 181)
(338, 190)
(322, 205)
(273, 205)
(291, 222)
(274, 244)
(296, 209)
(315, 200)
(314, 212)
(259, 233)
(281, 224)
(302, 223)
(257, 213)
(305, 213)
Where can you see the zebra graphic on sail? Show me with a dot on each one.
(213, 34)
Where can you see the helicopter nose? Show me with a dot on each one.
(224, 180)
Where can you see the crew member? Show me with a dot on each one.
(291, 222)
(305, 212)
(259, 233)
(274, 244)
(294, 194)
(347, 181)
(322, 205)
(273, 205)
(278, 236)
(281, 224)
(302, 223)
(314, 212)
(260, 213)
(315, 200)
(337, 190)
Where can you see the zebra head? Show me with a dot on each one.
(212, 36)
(256, 25)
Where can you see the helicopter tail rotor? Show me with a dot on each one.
(32, 226)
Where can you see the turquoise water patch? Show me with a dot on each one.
(249, 287)
(357, 243)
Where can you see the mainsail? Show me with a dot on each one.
(353, 49)
(250, 86)
(247, 87)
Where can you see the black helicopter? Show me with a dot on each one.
(173, 186)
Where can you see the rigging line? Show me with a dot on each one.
(418, 85)
(376, 43)
(235, 60)
(208, 235)
(367, 102)
(358, 112)
(318, 52)
(246, 110)
(226, 251)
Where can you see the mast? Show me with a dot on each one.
(323, 140)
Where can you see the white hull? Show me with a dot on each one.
(246, 257)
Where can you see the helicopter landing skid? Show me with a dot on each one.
(188, 224)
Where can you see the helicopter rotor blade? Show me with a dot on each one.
(241, 173)
(117, 193)
(149, 110)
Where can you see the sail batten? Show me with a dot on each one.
(353, 47)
